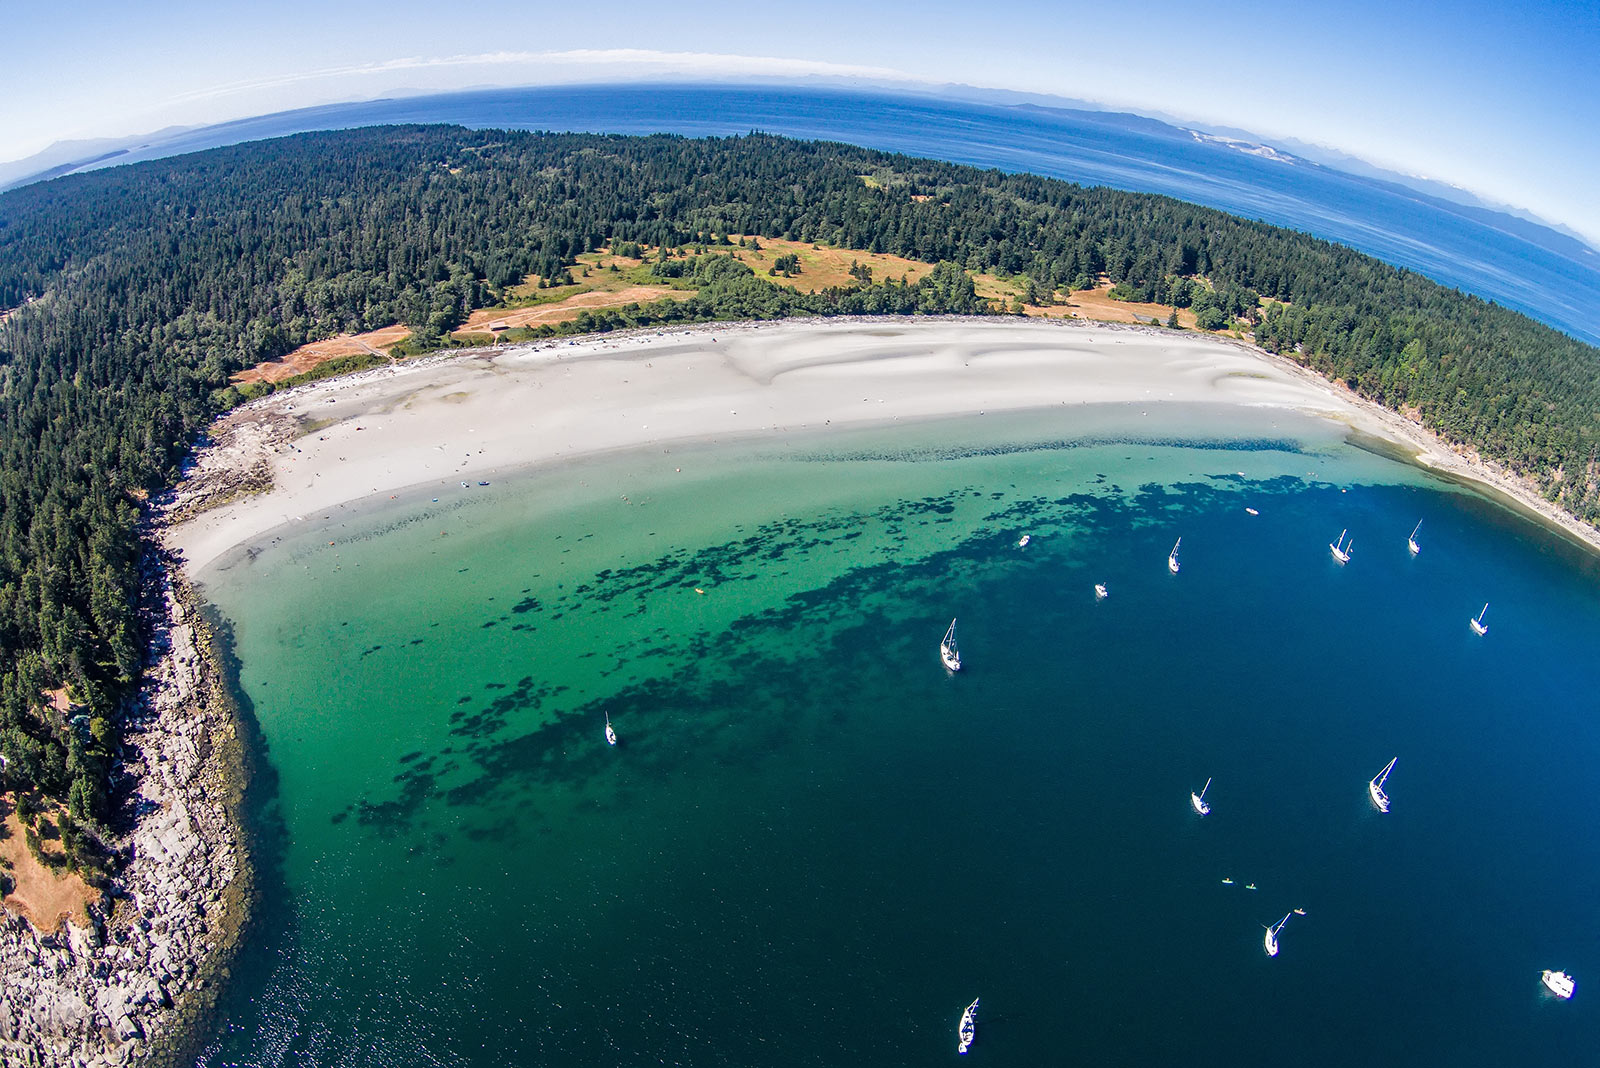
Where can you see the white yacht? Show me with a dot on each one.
(1172, 557)
(1270, 942)
(1100, 591)
(1375, 787)
(1022, 542)
(1341, 551)
(1252, 511)
(969, 1027)
(1560, 983)
(949, 654)
(1411, 542)
(1479, 627)
(1198, 800)
(611, 735)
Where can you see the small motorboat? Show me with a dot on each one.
(1560, 983)
(1100, 591)
(1252, 511)
(1022, 542)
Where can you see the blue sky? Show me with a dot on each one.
(1497, 98)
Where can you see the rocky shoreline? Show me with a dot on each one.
(135, 986)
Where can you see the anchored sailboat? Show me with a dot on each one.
(1198, 800)
(969, 1027)
(1560, 983)
(1375, 787)
(1341, 551)
(611, 735)
(1411, 542)
(1172, 557)
(1479, 627)
(948, 652)
(1270, 942)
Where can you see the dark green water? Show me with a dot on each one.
(812, 846)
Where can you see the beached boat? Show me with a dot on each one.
(1172, 557)
(1022, 542)
(1198, 800)
(1560, 983)
(1375, 787)
(611, 735)
(1479, 627)
(1411, 542)
(949, 654)
(968, 1030)
(1100, 591)
(1341, 551)
(1270, 941)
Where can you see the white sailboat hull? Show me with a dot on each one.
(1199, 804)
(1413, 546)
(949, 652)
(968, 1030)
(1379, 798)
(1270, 943)
(1477, 628)
(1172, 564)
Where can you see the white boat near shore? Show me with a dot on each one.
(611, 735)
(1198, 800)
(968, 1029)
(1375, 787)
(1022, 542)
(1411, 542)
(1560, 983)
(949, 653)
(1172, 557)
(1341, 551)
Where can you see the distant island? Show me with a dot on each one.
(138, 304)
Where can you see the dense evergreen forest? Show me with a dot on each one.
(134, 293)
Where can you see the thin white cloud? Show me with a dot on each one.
(575, 64)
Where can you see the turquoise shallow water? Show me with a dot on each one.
(812, 846)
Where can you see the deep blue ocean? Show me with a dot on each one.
(813, 846)
(1521, 265)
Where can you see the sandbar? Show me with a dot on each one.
(486, 414)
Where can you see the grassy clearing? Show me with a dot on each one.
(42, 894)
(605, 280)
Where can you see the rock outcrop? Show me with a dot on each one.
(134, 986)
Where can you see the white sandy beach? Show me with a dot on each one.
(443, 421)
